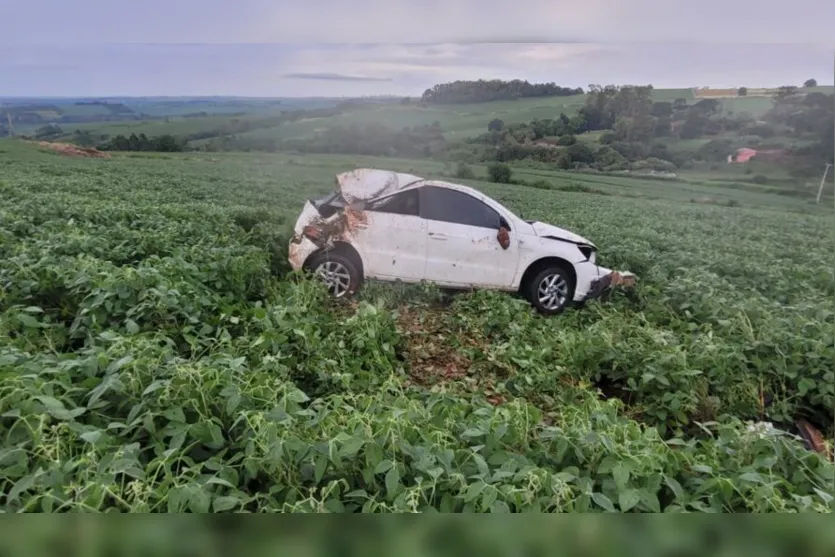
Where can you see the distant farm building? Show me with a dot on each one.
(742, 155)
(746, 154)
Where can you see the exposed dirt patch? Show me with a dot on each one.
(431, 359)
(74, 150)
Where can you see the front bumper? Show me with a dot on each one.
(606, 282)
(299, 250)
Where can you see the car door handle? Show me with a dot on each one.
(437, 236)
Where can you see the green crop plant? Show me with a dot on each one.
(156, 355)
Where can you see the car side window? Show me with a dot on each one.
(403, 203)
(448, 205)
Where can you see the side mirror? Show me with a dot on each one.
(504, 237)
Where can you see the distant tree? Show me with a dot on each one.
(499, 172)
(715, 150)
(49, 131)
(83, 138)
(580, 152)
(742, 91)
(663, 126)
(464, 171)
(762, 130)
(810, 83)
(492, 90)
(605, 105)
(495, 125)
(785, 91)
(405, 101)
(635, 129)
(707, 107)
(662, 109)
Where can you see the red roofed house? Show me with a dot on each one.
(742, 155)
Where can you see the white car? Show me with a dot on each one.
(391, 226)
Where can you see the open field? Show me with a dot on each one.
(468, 120)
(156, 356)
(177, 126)
(457, 121)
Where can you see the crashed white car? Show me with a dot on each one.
(391, 226)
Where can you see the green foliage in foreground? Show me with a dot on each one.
(155, 358)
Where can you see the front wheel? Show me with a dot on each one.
(339, 274)
(551, 290)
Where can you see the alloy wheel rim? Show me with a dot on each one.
(336, 277)
(552, 291)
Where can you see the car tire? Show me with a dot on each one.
(339, 272)
(551, 290)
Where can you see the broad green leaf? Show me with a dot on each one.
(92, 436)
(20, 486)
(621, 475)
(384, 466)
(474, 491)
(320, 467)
(650, 499)
(351, 447)
(627, 499)
(208, 433)
(392, 481)
(54, 407)
(751, 477)
(499, 507)
(199, 499)
(225, 503)
(29, 321)
(603, 502)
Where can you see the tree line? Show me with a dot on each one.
(165, 143)
(458, 92)
(635, 128)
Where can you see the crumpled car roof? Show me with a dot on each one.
(364, 184)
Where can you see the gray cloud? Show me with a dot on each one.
(334, 77)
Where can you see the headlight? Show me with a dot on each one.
(588, 252)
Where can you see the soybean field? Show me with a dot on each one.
(157, 355)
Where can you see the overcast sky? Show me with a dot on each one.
(363, 47)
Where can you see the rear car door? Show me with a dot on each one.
(394, 241)
(462, 247)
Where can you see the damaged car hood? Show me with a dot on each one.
(365, 184)
(545, 230)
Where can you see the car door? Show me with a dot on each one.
(393, 240)
(463, 247)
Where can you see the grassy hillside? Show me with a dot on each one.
(178, 126)
(156, 356)
(461, 121)
(458, 121)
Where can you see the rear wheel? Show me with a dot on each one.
(551, 290)
(337, 272)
